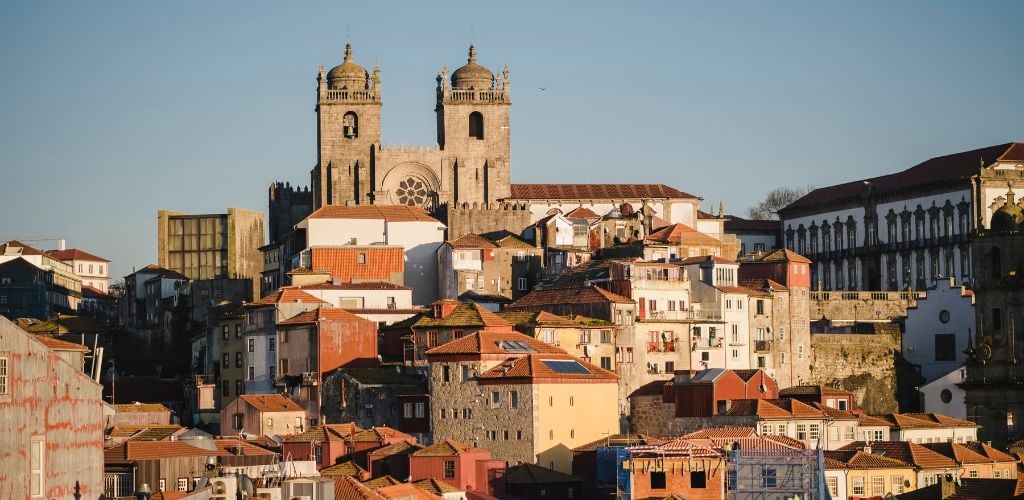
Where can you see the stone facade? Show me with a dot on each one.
(651, 416)
(469, 164)
(864, 364)
(288, 205)
(861, 306)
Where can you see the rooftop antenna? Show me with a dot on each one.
(348, 33)
(472, 35)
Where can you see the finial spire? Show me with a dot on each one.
(472, 53)
(348, 52)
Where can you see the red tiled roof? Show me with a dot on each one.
(924, 421)
(270, 402)
(911, 453)
(391, 213)
(471, 240)
(958, 452)
(88, 291)
(490, 342)
(555, 296)
(140, 408)
(446, 448)
(533, 366)
(594, 191)
(706, 258)
(151, 450)
(324, 433)
(23, 248)
(464, 314)
(870, 421)
(957, 166)
(721, 432)
(379, 434)
(55, 344)
(287, 294)
(987, 451)
(349, 488)
(856, 459)
(226, 446)
(321, 314)
(682, 234)
(399, 448)
(779, 255)
(361, 285)
(74, 254)
(343, 264)
(582, 213)
(785, 408)
(736, 289)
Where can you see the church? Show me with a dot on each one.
(469, 166)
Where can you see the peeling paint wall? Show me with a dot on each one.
(52, 401)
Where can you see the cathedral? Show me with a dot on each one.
(468, 164)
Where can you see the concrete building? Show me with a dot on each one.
(521, 398)
(408, 227)
(51, 422)
(261, 319)
(35, 285)
(212, 245)
(230, 354)
(491, 264)
(902, 230)
(94, 271)
(863, 474)
(945, 395)
(262, 415)
(929, 428)
(314, 343)
(929, 467)
(381, 302)
(755, 236)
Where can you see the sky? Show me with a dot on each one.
(110, 111)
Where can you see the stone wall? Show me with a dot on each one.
(862, 363)
(287, 205)
(483, 218)
(860, 306)
(651, 417)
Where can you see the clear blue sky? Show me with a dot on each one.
(112, 110)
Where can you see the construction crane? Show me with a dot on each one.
(60, 245)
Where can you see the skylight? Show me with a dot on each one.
(560, 366)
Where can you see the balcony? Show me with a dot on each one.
(667, 346)
(310, 378)
(762, 346)
(701, 343)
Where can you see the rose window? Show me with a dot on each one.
(412, 192)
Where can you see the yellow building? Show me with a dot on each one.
(523, 399)
(857, 473)
(591, 339)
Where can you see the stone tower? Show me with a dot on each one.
(473, 131)
(469, 164)
(348, 127)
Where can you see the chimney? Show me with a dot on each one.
(866, 449)
(60, 244)
(949, 485)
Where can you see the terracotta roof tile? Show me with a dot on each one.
(93, 292)
(324, 433)
(349, 488)
(73, 254)
(399, 448)
(493, 342)
(343, 262)
(594, 191)
(227, 446)
(321, 314)
(924, 421)
(150, 450)
(682, 234)
(616, 440)
(270, 402)
(471, 240)
(346, 468)
(721, 432)
(362, 285)
(987, 451)
(555, 296)
(55, 344)
(958, 452)
(538, 367)
(435, 486)
(446, 448)
(140, 407)
(779, 255)
(582, 213)
(785, 408)
(380, 434)
(856, 459)
(15, 247)
(406, 491)
(382, 482)
(391, 213)
(287, 294)
(464, 314)
(144, 432)
(871, 421)
(911, 453)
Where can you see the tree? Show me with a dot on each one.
(775, 200)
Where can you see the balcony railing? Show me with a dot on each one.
(477, 95)
(667, 346)
(351, 95)
(839, 295)
(706, 344)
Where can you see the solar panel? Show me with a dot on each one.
(515, 346)
(558, 366)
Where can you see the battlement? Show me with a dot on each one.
(287, 206)
(478, 218)
(285, 189)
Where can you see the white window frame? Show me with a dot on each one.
(37, 466)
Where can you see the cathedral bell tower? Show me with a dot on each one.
(473, 131)
(348, 107)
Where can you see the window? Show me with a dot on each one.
(225, 387)
(239, 387)
(519, 435)
(974, 473)
(420, 410)
(801, 432)
(162, 485)
(698, 479)
(629, 355)
(238, 360)
(465, 373)
(443, 413)
(521, 284)
(815, 431)
(5, 385)
(361, 258)
(252, 345)
(781, 429)
(350, 125)
(252, 373)
(271, 345)
(657, 480)
(769, 477)
(877, 485)
(237, 420)
(226, 360)
(37, 465)
(407, 410)
(476, 125)
(449, 469)
(238, 330)
(800, 351)
(606, 336)
(858, 485)
(446, 374)
(606, 362)
(618, 354)
(495, 399)
(833, 486)
(513, 399)
(182, 484)
(467, 413)
(760, 306)
(670, 367)
(224, 331)
(585, 336)
(101, 269)
(455, 413)
(945, 347)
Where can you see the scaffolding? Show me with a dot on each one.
(757, 474)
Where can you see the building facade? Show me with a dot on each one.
(212, 245)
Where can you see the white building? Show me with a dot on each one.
(930, 428)
(944, 395)
(408, 227)
(938, 328)
(375, 301)
(907, 229)
(669, 204)
(94, 271)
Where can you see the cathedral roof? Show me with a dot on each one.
(594, 192)
(348, 74)
(472, 75)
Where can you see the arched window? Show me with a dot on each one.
(350, 125)
(476, 125)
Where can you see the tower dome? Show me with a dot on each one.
(472, 75)
(1009, 217)
(347, 75)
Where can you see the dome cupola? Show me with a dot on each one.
(347, 75)
(472, 76)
